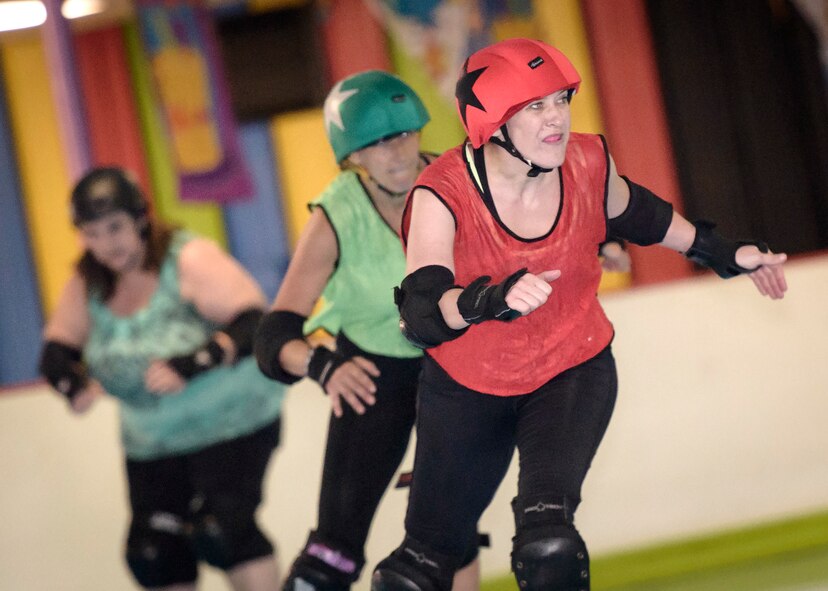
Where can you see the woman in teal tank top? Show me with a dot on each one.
(164, 322)
(350, 254)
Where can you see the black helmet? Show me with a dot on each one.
(104, 190)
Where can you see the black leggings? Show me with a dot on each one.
(465, 442)
(222, 482)
(364, 451)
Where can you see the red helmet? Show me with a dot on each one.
(501, 79)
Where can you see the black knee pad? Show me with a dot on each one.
(323, 566)
(414, 567)
(226, 540)
(554, 558)
(548, 553)
(158, 552)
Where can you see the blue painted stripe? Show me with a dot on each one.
(21, 319)
(256, 233)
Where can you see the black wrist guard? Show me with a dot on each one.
(63, 368)
(646, 219)
(275, 329)
(204, 358)
(323, 362)
(480, 301)
(712, 250)
(418, 299)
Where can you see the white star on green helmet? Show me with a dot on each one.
(333, 106)
(368, 106)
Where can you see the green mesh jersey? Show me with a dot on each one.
(359, 297)
(217, 405)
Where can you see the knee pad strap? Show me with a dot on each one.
(414, 567)
(538, 510)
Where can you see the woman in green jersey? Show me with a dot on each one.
(350, 254)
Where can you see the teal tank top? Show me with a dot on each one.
(359, 297)
(217, 405)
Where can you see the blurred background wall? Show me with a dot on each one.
(718, 107)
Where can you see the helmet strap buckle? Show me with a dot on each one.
(506, 144)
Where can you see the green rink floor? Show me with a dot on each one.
(789, 555)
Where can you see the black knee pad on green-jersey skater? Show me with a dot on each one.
(323, 566)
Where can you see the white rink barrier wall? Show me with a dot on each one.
(720, 423)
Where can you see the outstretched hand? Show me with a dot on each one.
(530, 292)
(769, 278)
(352, 382)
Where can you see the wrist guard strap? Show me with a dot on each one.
(323, 362)
(480, 301)
(63, 368)
(275, 329)
(710, 249)
(199, 361)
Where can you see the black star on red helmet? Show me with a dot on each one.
(464, 90)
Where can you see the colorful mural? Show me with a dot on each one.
(140, 114)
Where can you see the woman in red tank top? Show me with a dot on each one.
(502, 239)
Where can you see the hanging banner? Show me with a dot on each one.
(182, 52)
(435, 33)
(110, 104)
(63, 77)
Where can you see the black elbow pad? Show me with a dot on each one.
(418, 299)
(275, 329)
(242, 330)
(646, 219)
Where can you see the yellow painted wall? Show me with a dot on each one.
(560, 23)
(305, 163)
(205, 219)
(43, 171)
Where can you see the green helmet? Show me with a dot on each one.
(366, 107)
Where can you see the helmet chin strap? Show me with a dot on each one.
(506, 144)
(386, 190)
